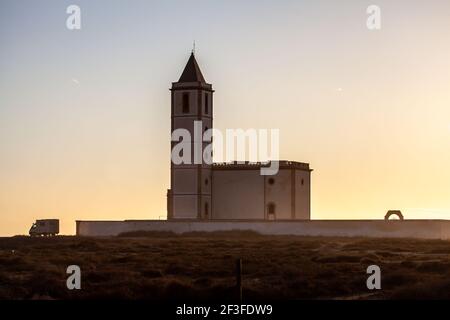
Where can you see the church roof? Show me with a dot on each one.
(192, 72)
(283, 164)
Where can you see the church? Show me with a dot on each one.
(228, 191)
(217, 197)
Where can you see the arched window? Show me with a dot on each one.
(271, 211)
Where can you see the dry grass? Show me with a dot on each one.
(200, 266)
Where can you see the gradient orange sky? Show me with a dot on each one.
(85, 115)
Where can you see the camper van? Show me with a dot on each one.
(47, 227)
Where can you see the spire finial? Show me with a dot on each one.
(193, 48)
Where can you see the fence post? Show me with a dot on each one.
(239, 278)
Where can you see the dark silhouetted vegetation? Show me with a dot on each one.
(200, 267)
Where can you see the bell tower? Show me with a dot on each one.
(191, 103)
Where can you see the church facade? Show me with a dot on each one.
(227, 191)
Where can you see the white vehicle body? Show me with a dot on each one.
(47, 227)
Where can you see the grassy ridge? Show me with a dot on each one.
(200, 266)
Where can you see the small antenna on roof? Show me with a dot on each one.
(193, 48)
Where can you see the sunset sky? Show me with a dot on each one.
(85, 115)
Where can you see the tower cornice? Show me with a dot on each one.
(191, 86)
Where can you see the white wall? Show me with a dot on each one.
(245, 194)
(279, 193)
(185, 207)
(302, 195)
(238, 194)
(185, 180)
(188, 188)
(423, 229)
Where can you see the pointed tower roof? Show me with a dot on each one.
(192, 71)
